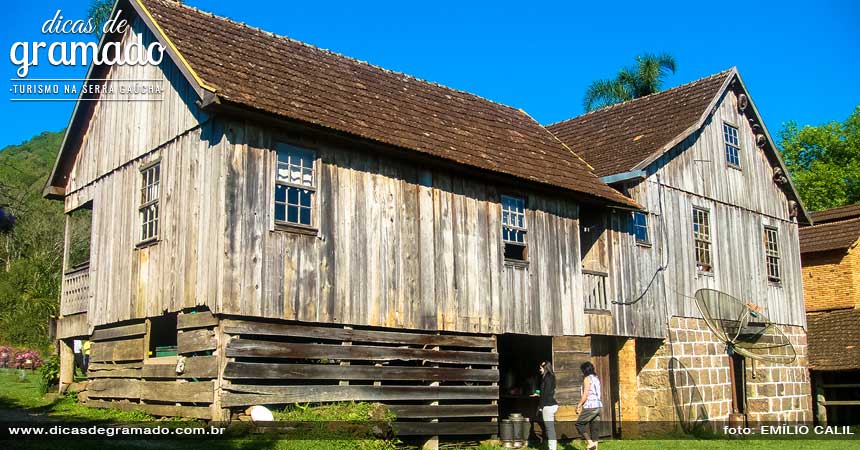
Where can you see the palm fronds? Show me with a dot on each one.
(645, 78)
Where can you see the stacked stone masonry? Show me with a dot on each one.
(685, 379)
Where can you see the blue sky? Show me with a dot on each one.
(801, 61)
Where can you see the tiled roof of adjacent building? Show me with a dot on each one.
(835, 214)
(256, 69)
(834, 229)
(834, 340)
(617, 138)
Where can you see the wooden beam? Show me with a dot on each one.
(193, 412)
(104, 334)
(203, 319)
(195, 367)
(445, 428)
(244, 395)
(178, 391)
(125, 350)
(245, 370)
(114, 388)
(195, 341)
(244, 327)
(116, 373)
(436, 411)
(266, 349)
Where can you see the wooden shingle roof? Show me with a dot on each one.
(258, 70)
(617, 138)
(836, 214)
(834, 340)
(829, 236)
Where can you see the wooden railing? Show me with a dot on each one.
(76, 291)
(594, 290)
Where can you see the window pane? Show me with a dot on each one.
(305, 198)
(280, 212)
(292, 214)
(292, 196)
(305, 218)
(280, 193)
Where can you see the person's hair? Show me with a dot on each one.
(547, 368)
(587, 369)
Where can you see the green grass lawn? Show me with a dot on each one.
(20, 397)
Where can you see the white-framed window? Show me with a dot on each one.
(702, 239)
(771, 252)
(149, 195)
(639, 227)
(733, 146)
(295, 185)
(514, 227)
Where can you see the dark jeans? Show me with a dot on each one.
(588, 416)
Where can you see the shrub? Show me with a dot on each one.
(49, 373)
(27, 359)
(7, 356)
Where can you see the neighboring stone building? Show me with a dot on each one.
(831, 285)
(720, 213)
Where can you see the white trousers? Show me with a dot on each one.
(548, 414)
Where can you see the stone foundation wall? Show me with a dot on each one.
(779, 392)
(685, 379)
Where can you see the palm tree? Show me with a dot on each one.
(99, 13)
(646, 77)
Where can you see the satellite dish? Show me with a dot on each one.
(744, 328)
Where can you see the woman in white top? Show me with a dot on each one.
(589, 405)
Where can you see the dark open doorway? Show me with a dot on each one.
(519, 358)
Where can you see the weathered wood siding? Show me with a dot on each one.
(121, 130)
(397, 246)
(741, 202)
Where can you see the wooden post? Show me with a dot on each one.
(219, 413)
(820, 400)
(432, 442)
(346, 363)
(67, 364)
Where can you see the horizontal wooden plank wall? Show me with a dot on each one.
(75, 325)
(419, 375)
(568, 353)
(741, 202)
(124, 376)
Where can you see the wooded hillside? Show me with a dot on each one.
(31, 255)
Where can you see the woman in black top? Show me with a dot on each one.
(547, 405)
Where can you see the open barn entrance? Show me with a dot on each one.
(519, 358)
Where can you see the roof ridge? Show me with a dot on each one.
(334, 53)
(628, 102)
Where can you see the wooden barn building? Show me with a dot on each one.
(286, 224)
(831, 284)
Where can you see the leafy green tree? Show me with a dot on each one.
(31, 254)
(646, 77)
(824, 161)
(99, 12)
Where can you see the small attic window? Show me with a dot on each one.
(733, 146)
